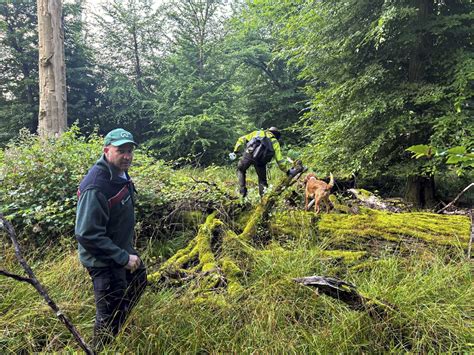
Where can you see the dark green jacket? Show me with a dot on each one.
(105, 217)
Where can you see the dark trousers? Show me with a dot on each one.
(244, 163)
(116, 292)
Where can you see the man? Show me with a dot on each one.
(259, 148)
(105, 221)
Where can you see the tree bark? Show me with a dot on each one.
(138, 69)
(421, 51)
(420, 191)
(52, 119)
(412, 191)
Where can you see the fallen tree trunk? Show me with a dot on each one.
(209, 259)
(368, 199)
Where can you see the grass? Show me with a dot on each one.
(432, 296)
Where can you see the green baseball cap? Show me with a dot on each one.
(117, 137)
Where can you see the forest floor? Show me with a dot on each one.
(225, 285)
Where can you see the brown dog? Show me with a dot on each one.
(319, 190)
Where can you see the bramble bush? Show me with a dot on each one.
(38, 192)
(40, 180)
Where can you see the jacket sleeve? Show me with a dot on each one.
(92, 217)
(283, 164)
(242, 141)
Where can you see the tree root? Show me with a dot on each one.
(210, 262)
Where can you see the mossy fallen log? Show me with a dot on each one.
(209, 260)
(370, 227)
(422, 227)
(215, 260)
(196, 257)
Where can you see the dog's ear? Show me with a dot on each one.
(306, 178)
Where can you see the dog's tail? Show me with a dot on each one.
(331, 182)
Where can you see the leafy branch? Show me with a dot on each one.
(459, 156)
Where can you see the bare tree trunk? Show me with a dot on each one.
(52, 69)
(412, 191)
(420, 191)
(138, 70)
(420, 53)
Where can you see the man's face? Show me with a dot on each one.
(119, 157)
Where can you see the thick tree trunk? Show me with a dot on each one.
(420, 191)
(52, 69)
(428, 186)
(421, 51)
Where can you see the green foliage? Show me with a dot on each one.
(373, 90)
(40, 180)
(205, 138)
(128, 42)
(268, 88)
(38, 193)
(84, 82)
(460, 157)
(18, 68)
(196, 117)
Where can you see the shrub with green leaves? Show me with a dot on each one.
(40, 180)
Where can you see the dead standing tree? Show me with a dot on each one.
(52, 69)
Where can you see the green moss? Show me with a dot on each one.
(198, 249)
(230, 268)
(363, 193)
(251, 227)
(294, 223)
(232, 273)
(428, 227)
(339, 206)
(211, 300)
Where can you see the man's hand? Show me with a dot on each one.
(133, 263)
(232, 156)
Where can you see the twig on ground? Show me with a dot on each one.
(4, 224)
(457, 197)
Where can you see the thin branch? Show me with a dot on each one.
(4, 224)
(16, 277)
(457, 197)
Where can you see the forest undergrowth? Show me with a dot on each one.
(415, 262)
